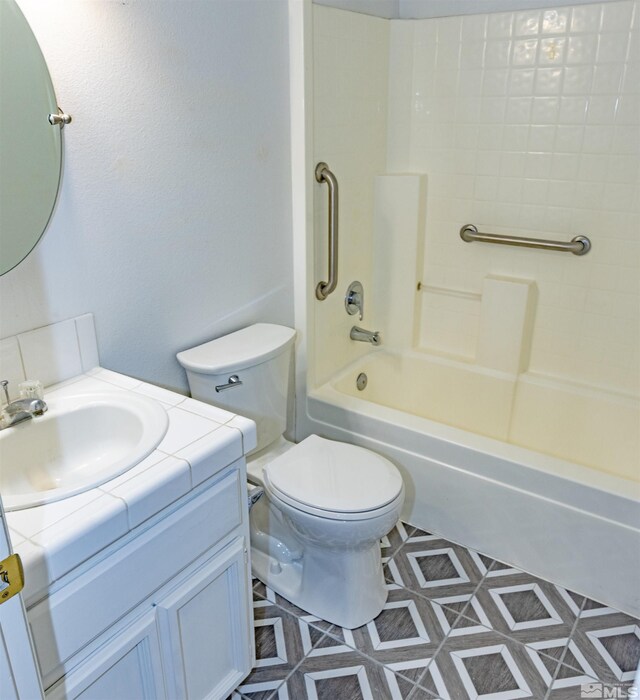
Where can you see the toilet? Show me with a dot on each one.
(315, 533)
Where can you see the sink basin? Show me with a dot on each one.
(81, 442)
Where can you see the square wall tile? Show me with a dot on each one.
(500, 25)
(527, 23)
(51, 354)
(87, 342)
(586, 18)
(555, 21)
(11, 366)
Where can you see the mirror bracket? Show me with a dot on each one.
(59, 119)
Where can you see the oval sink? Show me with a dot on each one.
(81, 442)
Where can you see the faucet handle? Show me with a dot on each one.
(354, 299)
(4, 383)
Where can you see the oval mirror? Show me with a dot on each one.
(30, 147)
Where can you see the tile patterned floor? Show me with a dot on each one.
(457, 626)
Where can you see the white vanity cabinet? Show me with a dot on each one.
(128, 667)
(166, 614)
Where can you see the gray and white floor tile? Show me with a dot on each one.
(489, 665)
(433, 567)
(390, 543)
(457, 625)
(281, 641)
(349, 677)
(524, 607)
(609, 641)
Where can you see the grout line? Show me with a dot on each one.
(565, 650)
(452, 627)
(409, 529)
(297, 666)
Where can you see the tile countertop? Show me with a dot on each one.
(54, 538)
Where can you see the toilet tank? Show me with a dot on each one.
(260, 356)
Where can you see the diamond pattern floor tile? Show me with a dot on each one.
(395, 539)
(282, 640)
(488, 664)
(523, 607)
(610, 641)
(404, 636)
(348, 677)
(433, 567)
(457, 625)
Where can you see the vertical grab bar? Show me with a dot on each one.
(323, 174)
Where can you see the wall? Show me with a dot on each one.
(379, 8)
(350, 76)
(173, 222)
(420, 9)
(528, 123)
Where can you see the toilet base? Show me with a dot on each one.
(345, 603)
(342, 585)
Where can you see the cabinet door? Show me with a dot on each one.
(128, 667)
(205, 628)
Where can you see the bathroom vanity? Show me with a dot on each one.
(140, 587)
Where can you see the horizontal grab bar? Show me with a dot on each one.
(580, 245)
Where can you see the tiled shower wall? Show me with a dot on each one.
(528, 123)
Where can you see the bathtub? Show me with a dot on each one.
(567, 510)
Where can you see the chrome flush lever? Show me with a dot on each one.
(234, 380)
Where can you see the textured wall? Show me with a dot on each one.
(173, 223)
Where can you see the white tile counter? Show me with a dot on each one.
(201, 440)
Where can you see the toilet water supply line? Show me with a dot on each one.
(323, 174)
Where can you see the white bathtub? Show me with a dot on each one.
(573, 524)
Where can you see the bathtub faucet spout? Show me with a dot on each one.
(365, 336)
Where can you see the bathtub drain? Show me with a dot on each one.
(361, 381)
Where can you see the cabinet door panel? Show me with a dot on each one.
(205, 629)
(129, 667)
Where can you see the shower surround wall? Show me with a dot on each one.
(525, 123)
(351, 61)
(528, 123)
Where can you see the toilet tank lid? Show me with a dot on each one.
(245, 348)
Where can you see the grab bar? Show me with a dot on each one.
(323, 174)
(580, 245)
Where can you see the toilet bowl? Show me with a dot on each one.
(315, 533)
(328, 503)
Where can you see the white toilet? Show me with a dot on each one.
(315, 533)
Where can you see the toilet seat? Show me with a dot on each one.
(334, 480)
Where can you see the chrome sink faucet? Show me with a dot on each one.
(365, 336)
(14, 412)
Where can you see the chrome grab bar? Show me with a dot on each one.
(580, 245)
(323, 174)
(234, 380)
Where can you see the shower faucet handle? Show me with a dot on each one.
(354, 300)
